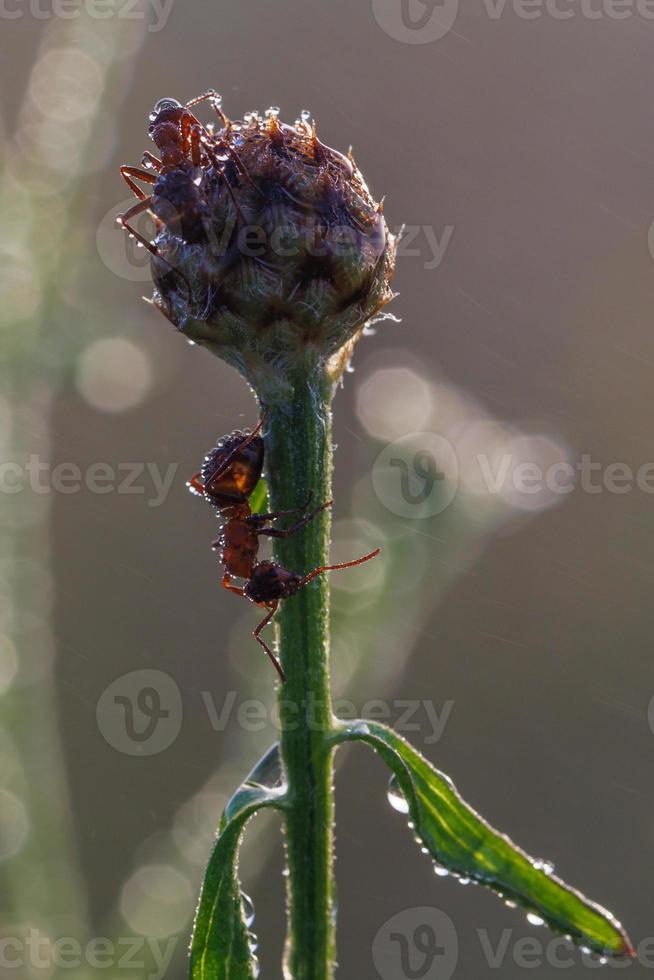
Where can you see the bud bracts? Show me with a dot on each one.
(270, 251)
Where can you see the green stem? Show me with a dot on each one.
(299, 462)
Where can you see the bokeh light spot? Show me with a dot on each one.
(114, 374)
(157, 900)
(394, 401)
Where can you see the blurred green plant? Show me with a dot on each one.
(76, 86)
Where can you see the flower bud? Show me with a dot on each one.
(271, 251)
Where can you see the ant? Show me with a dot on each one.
(227, 479)
(185, 146)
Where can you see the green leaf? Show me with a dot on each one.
(259, 498)
(220, 946)
(461, 841)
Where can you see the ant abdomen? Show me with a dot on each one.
(238, 480)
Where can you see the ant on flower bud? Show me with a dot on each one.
(228, 477)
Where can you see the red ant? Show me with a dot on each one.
(185, 146)
(227, 479)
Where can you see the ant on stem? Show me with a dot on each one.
(227, 479)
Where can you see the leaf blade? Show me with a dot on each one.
(220, 945)
(463, 842)
(259, 497)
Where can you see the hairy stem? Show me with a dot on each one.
(299, 463)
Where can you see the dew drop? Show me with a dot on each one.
(268, 771)
(510, 904)
(248, 909)
(464, 881)
(545, 866)
(272, 112)
(164, 104)
(396, 797)
(441, 871)
(305, 116)
(535, 920)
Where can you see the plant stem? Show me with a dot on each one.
(299, 462)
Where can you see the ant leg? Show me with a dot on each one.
(196, 485)
(154, 161)
(286, 513)
(219, 165)
(273, 532)
(264, 622)
(343, 564)
(196, 144)
(215, 102)
(193, 133)
(122, 219)
(232, 588)
(239, 163)
(129, 173)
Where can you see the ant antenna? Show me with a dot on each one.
(344, 564)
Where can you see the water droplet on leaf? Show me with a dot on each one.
(248, 909)
(396, 797)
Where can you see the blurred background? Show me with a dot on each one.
(507, 630)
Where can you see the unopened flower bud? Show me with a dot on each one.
(270, 251)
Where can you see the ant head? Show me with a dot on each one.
(166, 129)
(270, 581)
